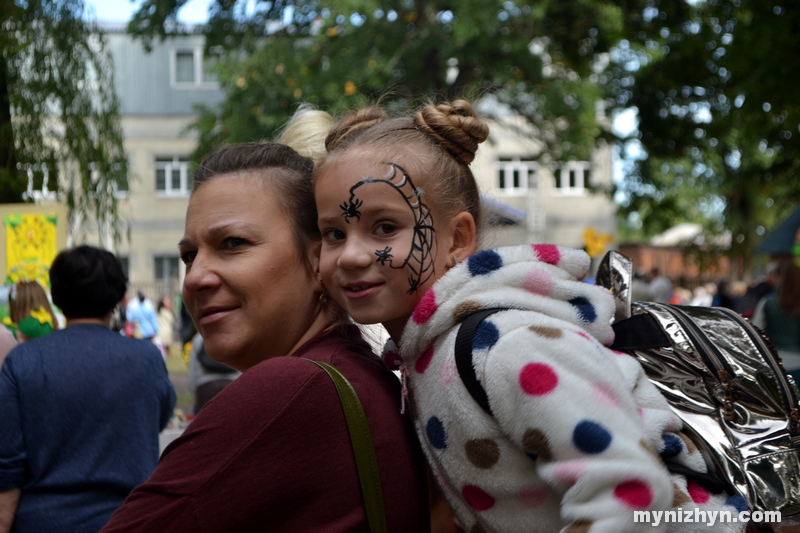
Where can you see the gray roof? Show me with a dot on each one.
(780, 240)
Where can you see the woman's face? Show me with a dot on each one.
(247, 288)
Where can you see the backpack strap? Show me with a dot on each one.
(363, 448)
(464, 337)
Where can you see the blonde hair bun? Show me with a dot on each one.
(455, 127)
(351, 125)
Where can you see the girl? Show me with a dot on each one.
(574, 433)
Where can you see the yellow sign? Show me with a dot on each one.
(596, 242)
(30, 247)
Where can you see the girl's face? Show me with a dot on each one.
(383, 243)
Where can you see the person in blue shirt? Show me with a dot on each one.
(82, 407)
(141, 311)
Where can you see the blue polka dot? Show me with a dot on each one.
(673, 445)
(437, 436)
(585, 308)
(591, 437)
(484, 262)
(486, 335)
(738, 502)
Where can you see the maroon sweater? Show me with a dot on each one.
(272, 453)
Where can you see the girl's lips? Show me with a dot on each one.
(354, 292)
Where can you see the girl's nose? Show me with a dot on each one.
(356, 254)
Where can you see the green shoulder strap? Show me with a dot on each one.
(363, 449)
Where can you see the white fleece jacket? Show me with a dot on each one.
(577, 430)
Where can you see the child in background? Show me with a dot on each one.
(30, 315)
(576, 434)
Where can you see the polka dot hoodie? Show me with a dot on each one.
(578, 432)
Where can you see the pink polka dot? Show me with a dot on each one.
(547, 253)
(568, 472)
(532, 497)
(538, 281)
(477, 498)
(605, 394)
(425, 308)
(448, 373)
(634, 493)
(392, 360)
(537, 379)
(698, 493)
(424, 360)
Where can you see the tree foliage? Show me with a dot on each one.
(58, 110)
(538, 59)
(713, 82)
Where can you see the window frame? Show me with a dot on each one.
(199, 68)
(182, 163)
(582, 177)
(505, 167)
(158, 266)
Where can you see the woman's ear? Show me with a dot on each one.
(313, 259)
(464, 235)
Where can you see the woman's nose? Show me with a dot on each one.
(201, 274)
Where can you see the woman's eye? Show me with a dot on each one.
(234, 242)
(188, 257)
(385, 229)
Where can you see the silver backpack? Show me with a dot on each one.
(725, 381)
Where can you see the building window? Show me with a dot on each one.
(515, 175)
(193, 69)
(165, 267)
(572, 178)
(172, 176)
(124, 260)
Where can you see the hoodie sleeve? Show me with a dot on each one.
(558, 395)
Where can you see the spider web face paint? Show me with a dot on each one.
(423, 246)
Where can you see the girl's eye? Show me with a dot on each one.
(385, 229)
(188, 257)
(333, 235)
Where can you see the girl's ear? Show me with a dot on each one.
(313, 258)
(465, 238)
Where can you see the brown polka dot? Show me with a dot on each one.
(535, 442)
(581, 526)
(680, 498)
(690, 446)
(550, 333)
(483, 453)
(464, 309)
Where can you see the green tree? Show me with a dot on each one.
(542, 60)
(58, 110)
(714, 85)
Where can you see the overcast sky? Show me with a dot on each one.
(194, 12)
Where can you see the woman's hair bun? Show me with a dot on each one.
(350, 126)
(454, 126)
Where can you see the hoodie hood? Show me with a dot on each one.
(541, 277)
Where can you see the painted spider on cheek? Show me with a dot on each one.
(384, 255)
(350, 209)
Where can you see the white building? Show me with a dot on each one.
(533, 202)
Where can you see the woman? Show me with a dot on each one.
(30, 315)
(778, 314)
(271, 452)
